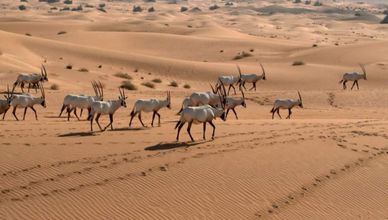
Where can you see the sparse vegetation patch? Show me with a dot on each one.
(123, 75)
(128, 85)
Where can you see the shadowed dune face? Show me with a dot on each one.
(329, 161)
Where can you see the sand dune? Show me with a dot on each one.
(328, 162)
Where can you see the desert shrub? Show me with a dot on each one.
(128, 85)
(52, 1)
(152, 9)
(101, 5)
(68, 2)
(229, 4)
(183, 8)
(23, 1)
(149, 85)
(317, 3)
(173, 84)
(123, 75)
(241, 55)
(54, 86)
(22, 7)
(298, 63)
(214, 7)
(297, 1)
(83, 70)
(137, 9)
(69, 66)
(157, 80)
(315, 45)
(186, 86)
(65, 9)
(28, 34)
(61, 32)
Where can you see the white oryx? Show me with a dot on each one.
(33, 79)
(150, 105)
(286, 104)
(227, 81)
(199, 114)
(72, 102)
(251, 78)
(231, 103)
(6, 104)
(28, 101)
(353, 76)
(202, 98)
(99, 108)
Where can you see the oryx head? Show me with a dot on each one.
(44, 74)
(263, 74)
(363, 70)
(168, 99)
(9, 96)
(220, 110)
(243, 103)
(300, 100)
(122, 97)
(43, 97)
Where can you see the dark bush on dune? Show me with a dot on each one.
(23, 1)
(317, 3)
(214, 7)
(22, 7)
(79, 8)
(184, 9)
(128, 85)
(137, 9)
(68, 2)
(152, 9)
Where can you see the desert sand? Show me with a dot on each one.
(329, 161)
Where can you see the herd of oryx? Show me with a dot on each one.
(199, 107)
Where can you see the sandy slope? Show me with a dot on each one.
(328, 162)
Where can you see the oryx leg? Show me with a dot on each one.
(110, 123)
(344, 84)
(234, 89)
(68, 113)
(153, 117)
(354, 83)
(189, 130)
(289, 114)
(253, 86)
(357, 85)
(277, 111)
(14, 113)
(179, 129)
(36, 115)
(24, 115)
(5, 111)
(158, 118)
(63, 108)
(91, 122)
(22, 86)
(132, 116)
(214, 128)
(98, 123)
(80, 115)
(227, 112)
(204, 130)
(139, 116)
(235, 113)
(75, 113)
